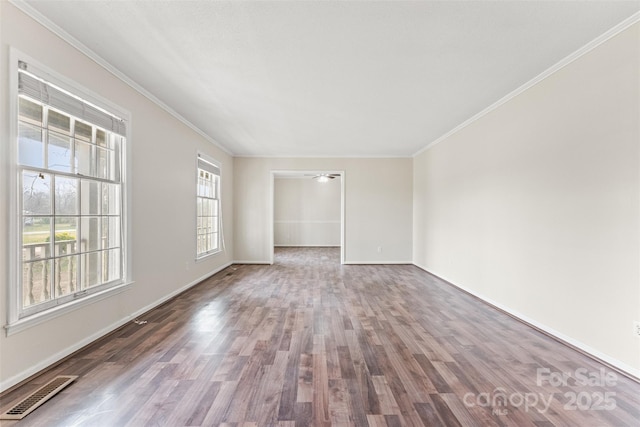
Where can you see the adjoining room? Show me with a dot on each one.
(308, 209)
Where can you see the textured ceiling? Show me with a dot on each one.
(331, 78)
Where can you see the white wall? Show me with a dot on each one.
(306, 212)
(378, 211)
(163, 219)
(536, 206)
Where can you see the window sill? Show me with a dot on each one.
(45, 316)
(206, 256)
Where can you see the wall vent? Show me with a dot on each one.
(38, 397)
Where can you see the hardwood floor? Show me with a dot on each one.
(308, 342)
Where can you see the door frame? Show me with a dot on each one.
(292, 172)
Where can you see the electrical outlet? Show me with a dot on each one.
(636, 328)
(379, 249)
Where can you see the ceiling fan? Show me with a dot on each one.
(324, 177)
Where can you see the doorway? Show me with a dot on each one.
(307, 209)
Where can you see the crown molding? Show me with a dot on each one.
(78, 45)
(321, 156)
(633, 19)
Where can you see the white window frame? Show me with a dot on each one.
(215, 166)
(17, 318)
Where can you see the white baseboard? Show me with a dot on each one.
(378, 263)
(306, 246)
(16, 379)
(615, 363)
(252, 262)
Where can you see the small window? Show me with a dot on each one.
(208, 224)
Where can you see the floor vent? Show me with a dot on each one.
(38, 397)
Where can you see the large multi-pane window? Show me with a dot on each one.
(69, 164)
(208, 208)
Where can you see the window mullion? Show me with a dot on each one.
(68, 175)
(45, 136)
(52, 238)
(73, 167)
(79, 237)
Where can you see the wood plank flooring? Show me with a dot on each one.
(309, 342)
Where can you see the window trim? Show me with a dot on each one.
(16, 319)
(201, 256)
